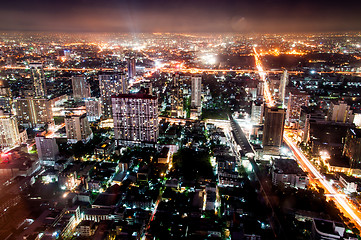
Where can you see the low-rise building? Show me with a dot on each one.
(287, 172)
(164, 156)
(325, 229)
(349, 183)
(86, 228)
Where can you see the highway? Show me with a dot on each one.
(343, 204)
(262, 73)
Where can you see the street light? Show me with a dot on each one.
(324, 155)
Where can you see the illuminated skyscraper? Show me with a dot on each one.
(196, 92)
(352, 147)
(135, 119)
(77, 128)
(81, 88)
(274, 119)
(283, 84)
(37, 74)
(131, 68)
(5, 96)
(9, 131)
(111, 83)
(196, 97)
(296, 101)
(34, 112)
(176, 96)
(257, 112)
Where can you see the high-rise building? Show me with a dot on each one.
(282, 88)
(176, 97)
(5, 96)
(257, 112)
(37, 74)
(274, 119)
(135, 119)
(297, 99)
(9, 131)
(340, 112)
(47, 149)
(196, 97)
(93, 109)
(196, 92)
(352, 147)
(77, 128)
(111, 83)
(34, 112)
(81, 88)
(131, 68)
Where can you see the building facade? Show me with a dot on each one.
(47, 150)
(196, 100)
(176, 97)
(352, 147)
(37, 74)
(9, 131)
(288, 173)
(340, 112)
(93, 109)
(111, 83)
(81, 88)
(131, 68)
(274, 119)
(77, 128)
(34, 112)
(135, 118)
(282, 88)
(296, 101)
(5, 96)
(257, 112)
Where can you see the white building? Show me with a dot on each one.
(77, 128)
(135, 118)
(9, 131)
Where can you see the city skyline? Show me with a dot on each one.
(181, 16)
(180, 120)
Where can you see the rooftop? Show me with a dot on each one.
(287, 166)
(135, 96)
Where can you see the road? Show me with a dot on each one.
(346, 207)
(341, 201)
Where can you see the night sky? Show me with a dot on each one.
(134, 16)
